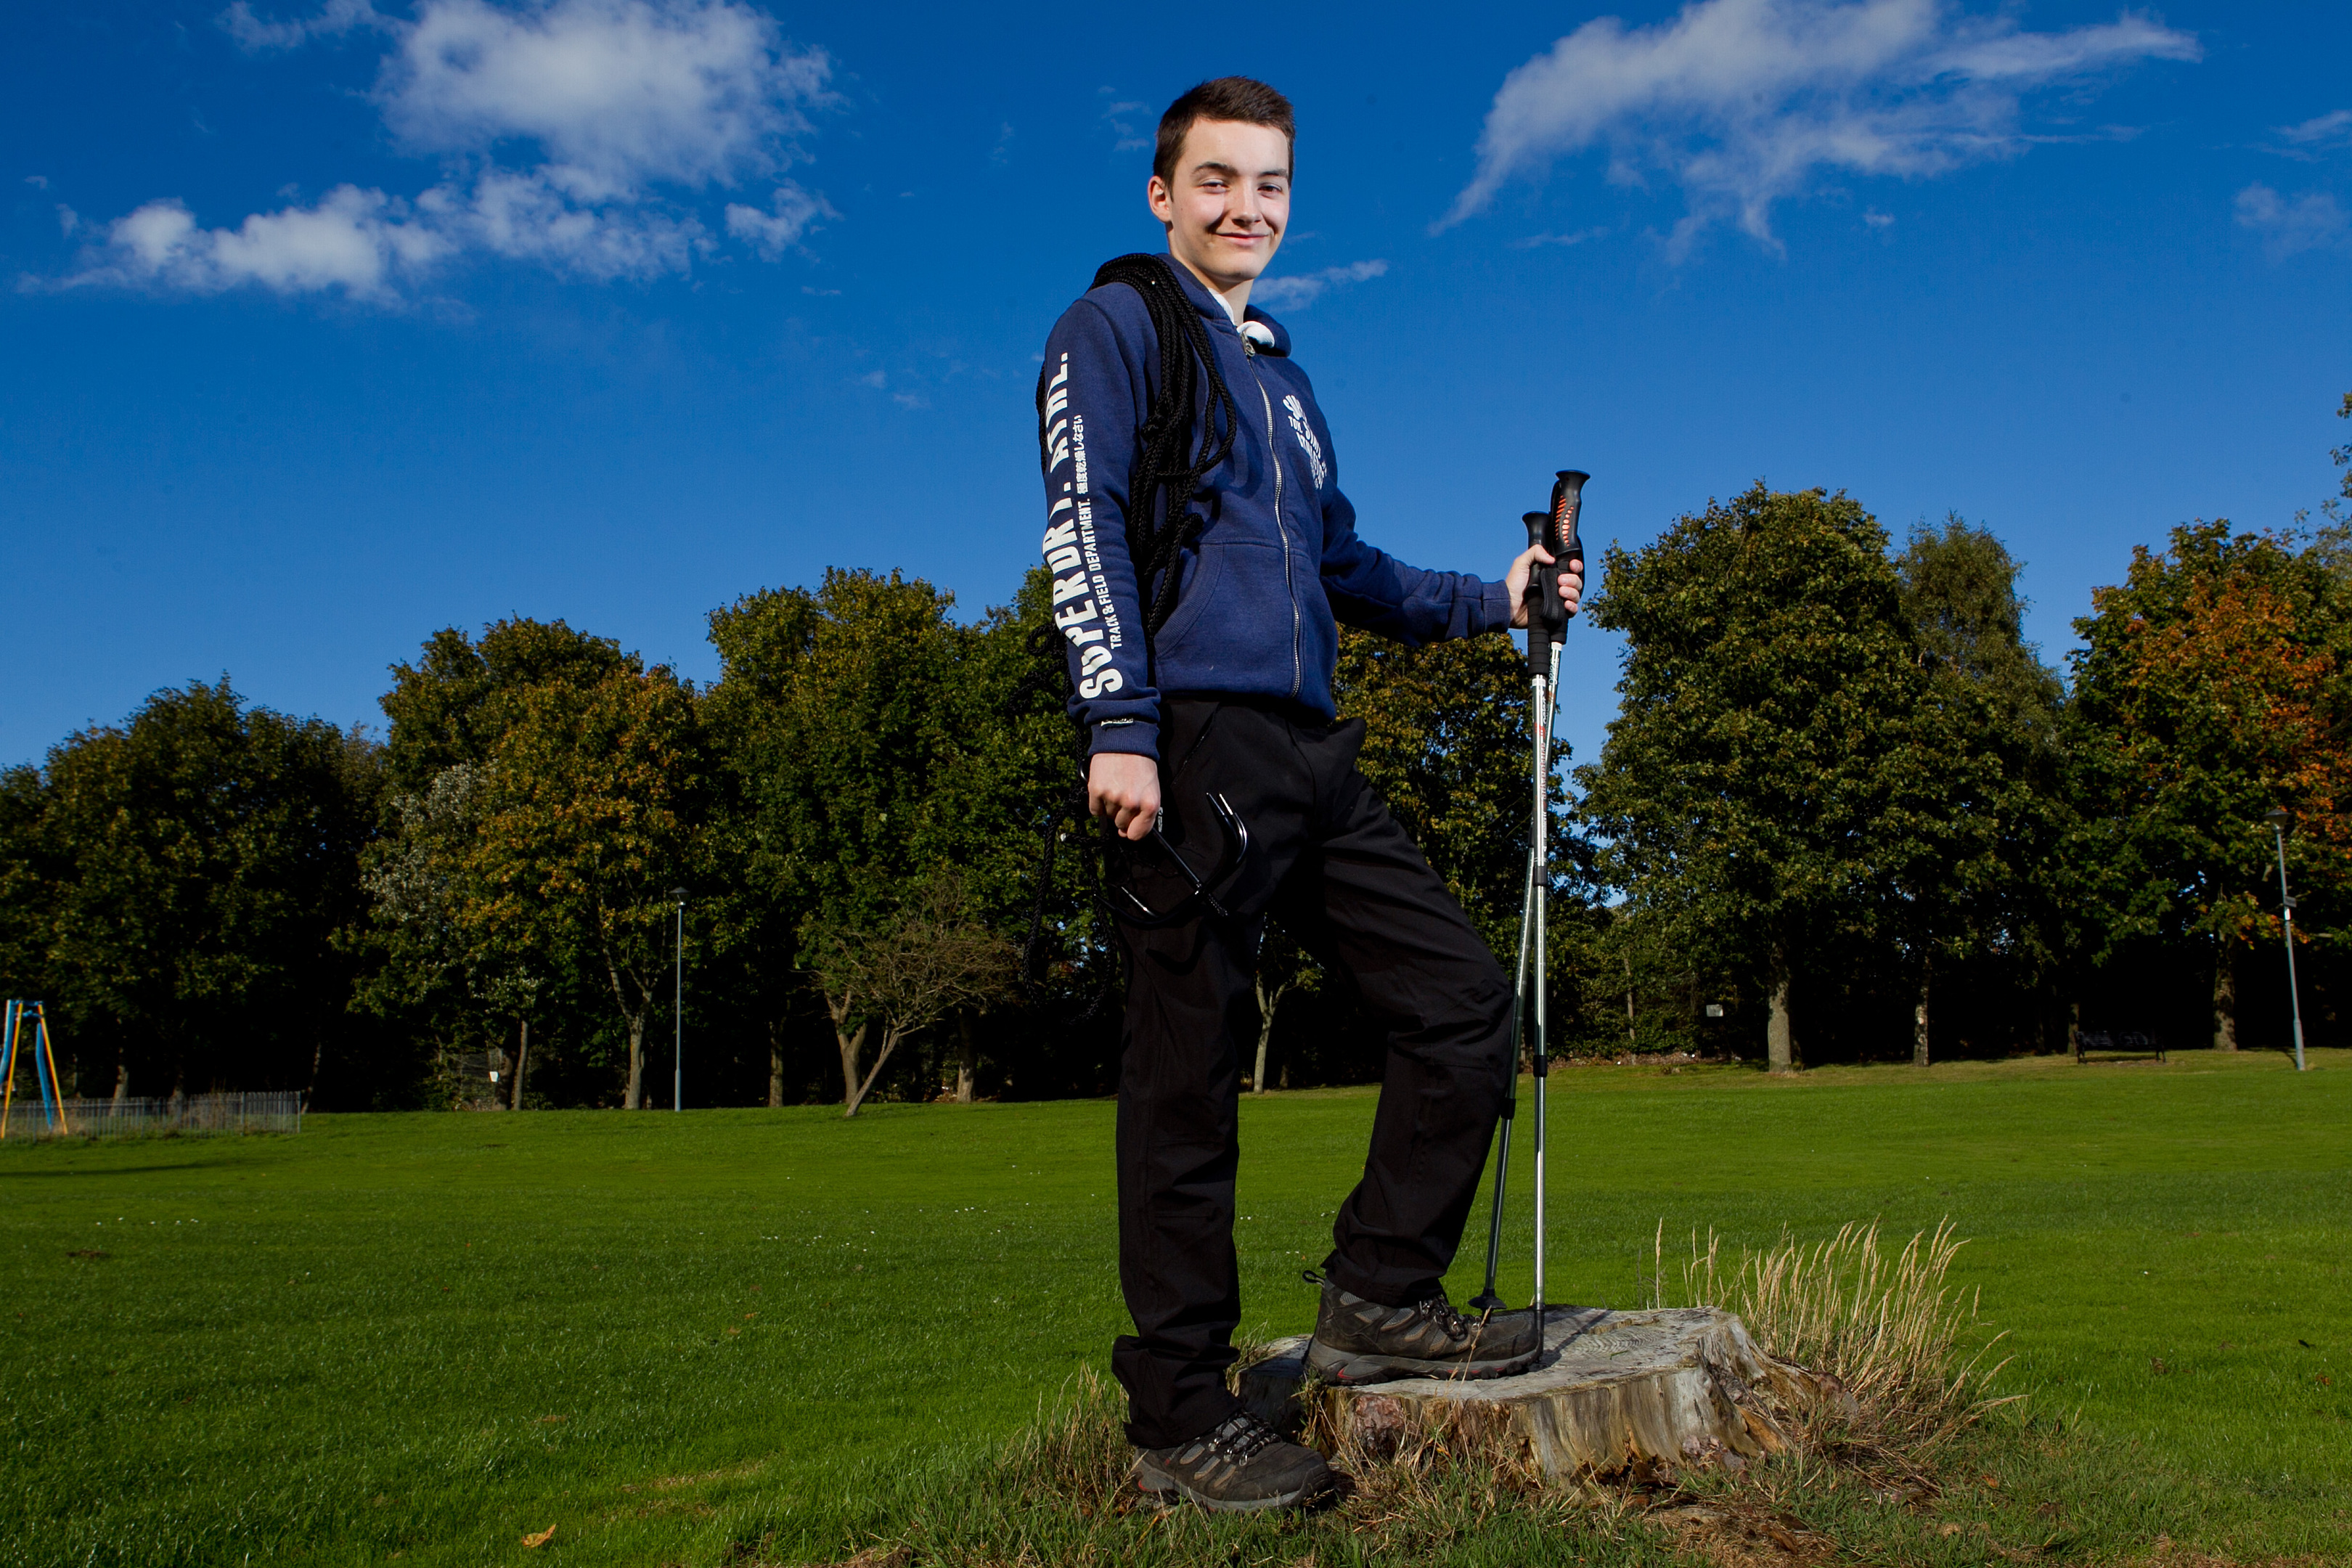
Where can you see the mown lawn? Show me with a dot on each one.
(429, 1336)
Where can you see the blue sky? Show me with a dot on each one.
(326, 327)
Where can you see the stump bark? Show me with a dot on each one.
(1668, 1387)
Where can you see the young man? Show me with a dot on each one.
(1202, 677)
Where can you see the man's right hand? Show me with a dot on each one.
(1123, 789)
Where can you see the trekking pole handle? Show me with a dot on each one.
(1546, 625)
(1566, 506)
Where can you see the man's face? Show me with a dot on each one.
(1230, 202)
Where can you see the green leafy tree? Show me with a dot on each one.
(1768, 683)
(842, 803)
(453, 704)
(758, 899)
(2210, 689)
(1974, 812)
(1447, 744)
(591, 811)
(928, 961)
(200, 860)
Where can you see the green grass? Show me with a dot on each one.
(665, 1335)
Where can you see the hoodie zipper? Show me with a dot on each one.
(1274, 455)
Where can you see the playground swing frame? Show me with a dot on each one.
(45, 1066)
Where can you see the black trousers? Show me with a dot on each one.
(1328, 860)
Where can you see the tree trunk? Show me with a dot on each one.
(890, 1038)
(1781, 1051)
(636, 1017)
(121, 1075)
(851, 1046)
(775, 1063)
(2225, 996)
(636, 1095)
(1266, 1004)
(967, 1057)
(522, 1063)
(1919, 1017)
(1630, 1038)
(1664, 1389)
(2074, 1029)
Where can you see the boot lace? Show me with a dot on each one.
(1440, 1310)
(1241, 1436)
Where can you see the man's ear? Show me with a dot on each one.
(1159, 199)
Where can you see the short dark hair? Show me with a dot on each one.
(1238, 97)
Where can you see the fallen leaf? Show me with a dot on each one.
(1990, 1481)
(541, 1539)
(1950, 1530)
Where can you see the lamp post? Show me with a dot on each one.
(2277, 819)
(678, 1016)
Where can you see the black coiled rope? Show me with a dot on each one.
(1168, 462)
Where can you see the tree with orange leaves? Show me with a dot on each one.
(2212, 688)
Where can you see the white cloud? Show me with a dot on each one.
(1741, 101)
(772, 233)
(1877, 219)
(523, 217)
(2322, 130)
(1297, 293)
(571, 134)
(1121, 115)
(616, 93)
(2310, 222)
(38, 182)
(334, 19)
(1535, 241)
(356, 240)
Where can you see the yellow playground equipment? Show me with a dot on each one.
(28, 1027)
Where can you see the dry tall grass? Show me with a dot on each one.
(1894, 1334)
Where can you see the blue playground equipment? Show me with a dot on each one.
(27, 1031)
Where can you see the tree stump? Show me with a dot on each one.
(1671, 1386)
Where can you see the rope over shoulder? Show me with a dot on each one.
(1169, 461)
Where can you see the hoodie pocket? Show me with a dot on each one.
(1233, 623)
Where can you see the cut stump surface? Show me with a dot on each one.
(1670, 1386)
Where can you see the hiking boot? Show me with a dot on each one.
(1241, 1466)
(1358, 1340)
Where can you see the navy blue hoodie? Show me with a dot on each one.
(1278, 565)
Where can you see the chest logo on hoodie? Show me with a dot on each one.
(1304, 435)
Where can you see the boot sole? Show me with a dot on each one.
(1353, 1368)
(1150, 1480)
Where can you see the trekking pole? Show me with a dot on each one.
(1555, 530)
(1486, 1300)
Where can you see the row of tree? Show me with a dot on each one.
(1842, 787)
(1844, 810)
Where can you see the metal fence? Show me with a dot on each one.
(277, 1112)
